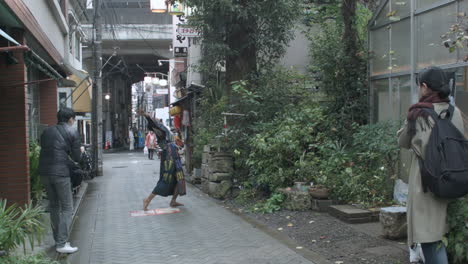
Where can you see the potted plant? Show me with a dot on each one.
(319, 192)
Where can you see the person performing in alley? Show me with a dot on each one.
(150, 143)
(427, 213)
(171, 177)
(59, 144)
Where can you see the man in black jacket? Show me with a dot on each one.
(59, 144)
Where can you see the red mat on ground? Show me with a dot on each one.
(155, 212)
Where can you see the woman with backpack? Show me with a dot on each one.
(427, 213)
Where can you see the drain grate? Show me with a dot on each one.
(120, 167)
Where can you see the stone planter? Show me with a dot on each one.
(221, 162)
(296, 200)
(319, 192)
(393, 221)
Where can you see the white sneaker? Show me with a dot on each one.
(67, 249)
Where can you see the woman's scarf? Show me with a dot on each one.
(416, 110)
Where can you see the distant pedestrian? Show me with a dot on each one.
(151, 144)
(171, 177)
(426, 213)
(131, 140)
(59, 144)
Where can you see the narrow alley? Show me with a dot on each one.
(203, 232)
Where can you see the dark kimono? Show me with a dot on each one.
(171, 177)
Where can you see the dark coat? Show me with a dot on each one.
(54, 158)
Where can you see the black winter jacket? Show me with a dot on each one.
(54, 160)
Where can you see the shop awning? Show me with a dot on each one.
(82, 93)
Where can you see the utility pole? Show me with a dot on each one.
(97, 89)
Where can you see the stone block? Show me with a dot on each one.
(353, 214)
(205, 185)
(296, 200)
(219, 177)
(393, 221)
(321, 205)
(219, 190)
(206, 148)
(221, 162)
(205, 171)
(205, 157)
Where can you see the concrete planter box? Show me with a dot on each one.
(353, 215)
(393, 221)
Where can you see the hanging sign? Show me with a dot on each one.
(187, 31)
(178, 40)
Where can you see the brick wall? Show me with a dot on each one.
(48, 103)
(14, 161)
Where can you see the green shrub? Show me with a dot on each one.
(364, 171)
(37, 189)
(35, 259)
(19, 225)
(457, 239)
(271, 205)
(277, 148)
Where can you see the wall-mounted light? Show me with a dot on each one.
(158, 6)
(170, 48)
(107, 97)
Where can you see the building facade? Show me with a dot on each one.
(35, 44)
(406, 36)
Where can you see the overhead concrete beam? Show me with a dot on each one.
(133, 32)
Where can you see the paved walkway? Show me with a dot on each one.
(203, 233)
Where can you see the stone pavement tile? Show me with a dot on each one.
(202, 233)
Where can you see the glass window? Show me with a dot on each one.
(400, 49)
(382, 17)
(379, 51)
(430, 27)
(426, 3)
(401, 104)
(461, 95)
(400, 9)
(382, 106)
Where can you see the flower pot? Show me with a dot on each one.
(319, 192)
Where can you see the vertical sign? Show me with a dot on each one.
(179, 41)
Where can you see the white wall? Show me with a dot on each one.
(297, 53)
(41, 10)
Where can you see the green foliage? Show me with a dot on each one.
(363, 172)
(34, 259)
(277, 148)
(342, 73)
(271, 205)
(37, 189)
(20, 225)
(266, 26)
(456, 240)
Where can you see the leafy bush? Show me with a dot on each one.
(20, 225)
(456, 240)
(278, 147)
(35, 259)
(37, 189)
(271, 205)
(364, 171)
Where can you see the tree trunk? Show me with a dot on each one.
(348, 10)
